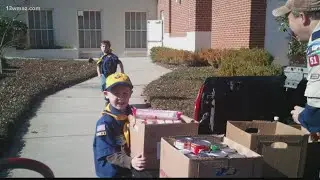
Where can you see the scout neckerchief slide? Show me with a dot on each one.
(120, 117)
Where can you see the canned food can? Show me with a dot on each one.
(214, 148)
(204, 143)
(203, 154)
(218, 154)
(183, 143)
(204, 151)
(236, 155)
(188, 139)
(179, 144)
(188, 143)
(229, 150)
(196, 147)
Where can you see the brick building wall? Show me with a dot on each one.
(223, 24)
(238, 24)
(258, 23)
(187, 16)
(180, 17)
(164, 5)
(203, 16)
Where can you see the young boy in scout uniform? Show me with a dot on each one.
(304, 21)
(107, 63)
(111, 141)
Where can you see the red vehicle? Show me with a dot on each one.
(246, 98)
(249, 98)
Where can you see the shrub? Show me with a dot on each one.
(237, 66)
(13, 32)
(248, 62)
(259, 57)
(216, 58)
(175, 57)
(191, 73)
(212, 56)
(156, 53)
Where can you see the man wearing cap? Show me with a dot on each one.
(304, 18)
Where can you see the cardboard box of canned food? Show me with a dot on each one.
(145, 136)
(283, 147)
(207, 156)
(312, 167)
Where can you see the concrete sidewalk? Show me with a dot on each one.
(61, 133)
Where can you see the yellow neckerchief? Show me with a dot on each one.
(120, 117)
(104, 54)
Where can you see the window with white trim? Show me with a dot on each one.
(41, 29)
(89, 25)
(135, 30)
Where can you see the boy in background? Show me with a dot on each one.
(107, 63)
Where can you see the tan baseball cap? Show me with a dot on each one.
(298, 5)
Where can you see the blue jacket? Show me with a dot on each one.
(108, 63)
(109, 138)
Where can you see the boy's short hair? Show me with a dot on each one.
(297, 5)
(106, 42)
(118, 79)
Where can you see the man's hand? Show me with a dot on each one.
(295, 113)
(138, 162)
(315, 136)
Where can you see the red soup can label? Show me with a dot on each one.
(183, 143)
(196, 148)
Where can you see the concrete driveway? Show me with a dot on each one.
(62, 130)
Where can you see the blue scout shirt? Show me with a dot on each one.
(104, 61)
(109, 138)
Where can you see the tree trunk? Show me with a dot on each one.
(0, 64)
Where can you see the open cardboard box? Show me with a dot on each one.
(175, 164)
(312, 167)
(145, 138)
(282, 146)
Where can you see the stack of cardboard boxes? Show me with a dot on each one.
(283, 147)
(271, 149)
(146, 138)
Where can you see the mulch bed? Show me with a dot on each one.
(24, 83)
(178, 89)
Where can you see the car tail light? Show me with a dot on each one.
(197, 104)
